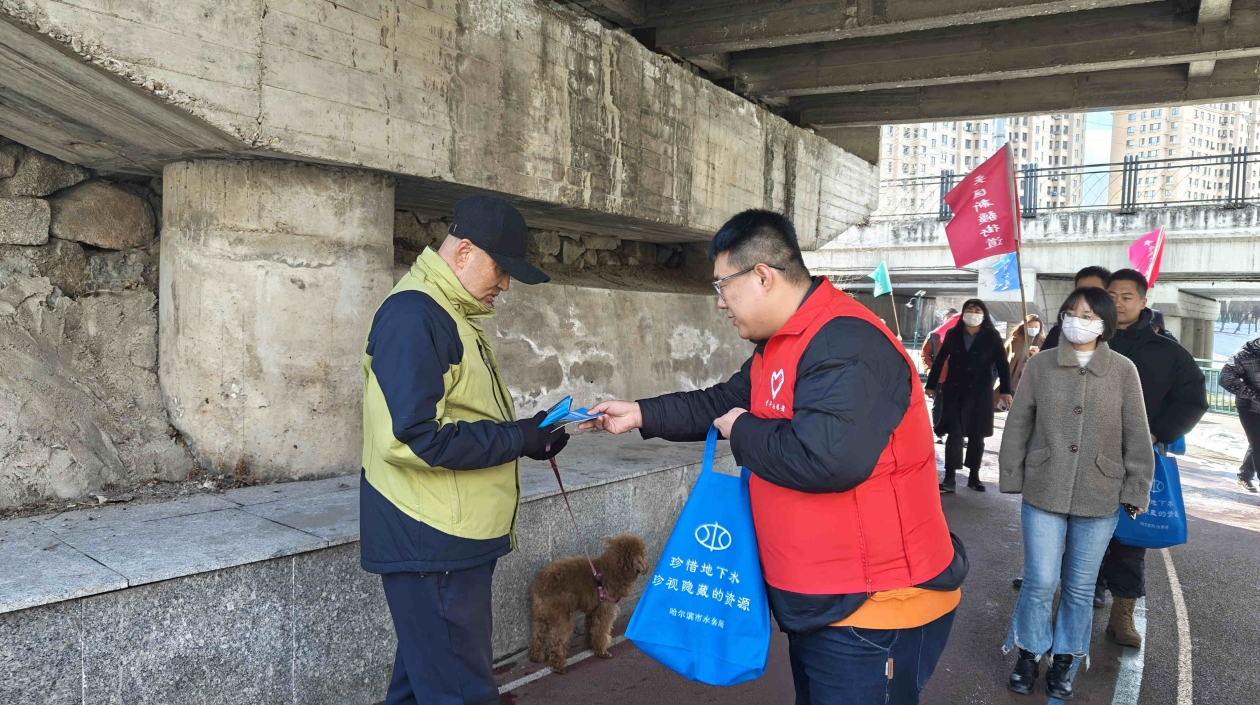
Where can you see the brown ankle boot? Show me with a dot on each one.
(1120, 628)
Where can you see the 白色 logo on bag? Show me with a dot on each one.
(1157, 486)
(713, 536)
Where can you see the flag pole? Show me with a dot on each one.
(893, 300)
(1019, 267)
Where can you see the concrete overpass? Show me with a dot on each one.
(1211, 253)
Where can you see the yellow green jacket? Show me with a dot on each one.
(441, 483)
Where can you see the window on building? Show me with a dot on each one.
(967, 128)
(889, 167)
(984, 127)
(967, 161)
(1142, 142)
(1128, 143)
(933, 142)
(1132, 117)
(1154, 140)
(890, 130)
(932, 161)
(1173, 125)
(905, 133)
(1155, 127)
(1024, 153)
(1157, 113)
(1130, 131)
(986, 144)
(1176, 112)
(905, 150)
(1143, 114)
(967, 144)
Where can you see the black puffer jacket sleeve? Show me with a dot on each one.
(1186, 402)
(852, 390)
(686, 416)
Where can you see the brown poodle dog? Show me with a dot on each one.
(565, 587)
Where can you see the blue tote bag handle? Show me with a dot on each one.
(704, 613)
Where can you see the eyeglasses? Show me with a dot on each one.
(717, 285)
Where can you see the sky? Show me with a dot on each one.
(1098, 137)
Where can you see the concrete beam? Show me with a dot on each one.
(1214, 11)
(53, 101)
(625, 13)
(1201, 69)
(859, 141)
(708, 26)
(1108, 39)
(1099, 90)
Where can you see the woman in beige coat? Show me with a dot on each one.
(1017, 354)
(1077, 446)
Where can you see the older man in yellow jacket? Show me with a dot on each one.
(441, 448)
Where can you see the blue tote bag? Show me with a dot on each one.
(704, 613)
(1164, 522)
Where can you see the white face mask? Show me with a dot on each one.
(973, 319)
(1081, 331)
(1033, 332)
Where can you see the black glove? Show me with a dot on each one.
(542, 443)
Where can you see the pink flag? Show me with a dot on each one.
(984, 222)
(1146, 253)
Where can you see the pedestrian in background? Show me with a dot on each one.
(1157, 322)
(971, 350)
(1094, 276)
(1017, 353)
(1241, 377)
(1176, 398)
(1076, 446)
(931, 347)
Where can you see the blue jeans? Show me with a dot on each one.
(1060, 551)
(850, 666)
(444, 627)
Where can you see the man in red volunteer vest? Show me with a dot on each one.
(828, 414)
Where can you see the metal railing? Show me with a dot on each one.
(1228, 180)
(1219, 400)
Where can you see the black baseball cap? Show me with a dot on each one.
(496, 227)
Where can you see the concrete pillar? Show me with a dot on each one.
(270, 273)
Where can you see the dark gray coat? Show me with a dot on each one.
(1076, 441)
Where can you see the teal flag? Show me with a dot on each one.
(883, 285)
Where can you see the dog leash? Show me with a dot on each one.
(599, 579)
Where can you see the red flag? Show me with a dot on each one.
(1146, 253)
(984, 222)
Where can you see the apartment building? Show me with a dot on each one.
(1154, 136)
(913, 156)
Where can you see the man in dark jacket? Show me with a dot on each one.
(1176, 398)
(829, 417)
(1241, 377)
(1089, 276)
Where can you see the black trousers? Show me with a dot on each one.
(1123, 570)
(954, 456)
(444, 627)
(1251, 426)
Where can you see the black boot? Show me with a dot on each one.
(947, 485)
(1058, 678)
(973, 480)
(1025, 673)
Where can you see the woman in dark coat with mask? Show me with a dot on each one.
(973, 350)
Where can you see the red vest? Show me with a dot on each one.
(888, 532)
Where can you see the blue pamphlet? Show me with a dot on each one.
(562, 413)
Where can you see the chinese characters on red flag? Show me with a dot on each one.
(1146, 253)
(984, 219)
